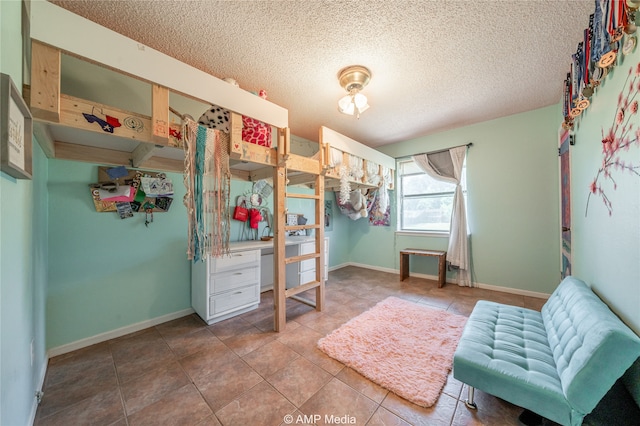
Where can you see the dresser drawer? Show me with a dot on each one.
(307, 277)
(308, 265)
(235, 260)
(234, 299)
(306, 248)
(229, 280)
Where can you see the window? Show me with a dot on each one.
(424, 204)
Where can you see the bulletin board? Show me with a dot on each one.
(127, 191)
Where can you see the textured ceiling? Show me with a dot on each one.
(435, 65)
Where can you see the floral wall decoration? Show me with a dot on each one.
(622, 136)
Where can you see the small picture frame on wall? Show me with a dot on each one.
(16, 130)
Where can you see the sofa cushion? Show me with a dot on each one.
(591, 347)
(504, 351)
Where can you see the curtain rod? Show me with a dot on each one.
(435, 152)
(445, 149)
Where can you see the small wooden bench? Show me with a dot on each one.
(404, 262)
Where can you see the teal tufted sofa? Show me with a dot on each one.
(557, 363)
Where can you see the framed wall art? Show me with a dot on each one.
(16, 130)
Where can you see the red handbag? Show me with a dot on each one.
(241, 212)
(255, 218)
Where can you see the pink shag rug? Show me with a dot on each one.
(404, 347)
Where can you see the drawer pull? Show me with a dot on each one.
(236, 255)
(237, 273)
(237, 292)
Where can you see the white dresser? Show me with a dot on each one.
(297, 273)
(307, 268)
(230, 285)
(226, 286)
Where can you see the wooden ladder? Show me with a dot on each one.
(281, 293)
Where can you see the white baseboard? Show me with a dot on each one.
(342, 265)
(375, 268)
(449, 281)
(103, 337)
(514, 291)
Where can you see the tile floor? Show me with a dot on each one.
(240, 372)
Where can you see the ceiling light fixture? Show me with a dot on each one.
(353, 79)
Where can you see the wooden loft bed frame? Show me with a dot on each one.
(152, 148)
(332, 139)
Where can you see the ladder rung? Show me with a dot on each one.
(301, 288)
(307, 196)
(294, 259)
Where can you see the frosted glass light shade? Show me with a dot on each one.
(346, 105)
(361, 101)
(350, 103)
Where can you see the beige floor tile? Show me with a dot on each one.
(249, 340)
(154, 355)
(362, 384)
(73, 365)
(440, 414)
(102, 408)
(262, 405)
(299, 380)
(181, 326)
(129, 347)
(341, 401)
(96, 380)
(183, 406)
(212, 420)
(384, 417)
(452, 387)
(228, 381)
(301, 339)
(270, 358)
(152, 386)
(204, 363)
(192, 342)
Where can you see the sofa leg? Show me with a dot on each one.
(469, 401)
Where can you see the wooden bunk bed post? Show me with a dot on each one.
(235, 133)
(159, 115)
(279, 265)
(319, 233)
(44, 96)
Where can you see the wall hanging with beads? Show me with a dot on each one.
(610, 36)
(128, 191)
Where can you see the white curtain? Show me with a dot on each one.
(446, 166)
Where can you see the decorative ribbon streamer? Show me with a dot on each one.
(207, 180)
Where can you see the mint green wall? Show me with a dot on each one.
(339, 235)
(106, 272)
(606, 248)
(512, 182)
(373, 245)
(23, 259)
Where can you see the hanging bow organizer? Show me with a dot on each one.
(122, 190)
